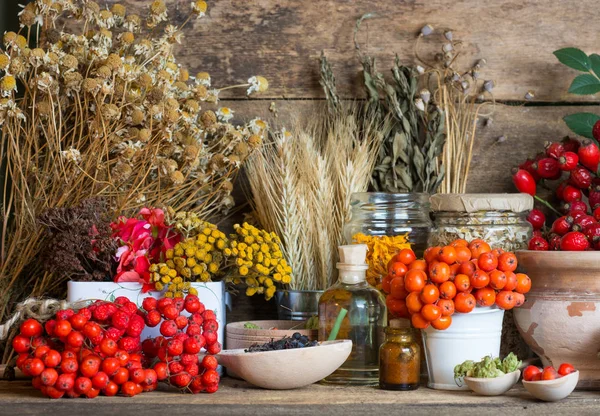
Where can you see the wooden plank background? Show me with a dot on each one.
(282, 40)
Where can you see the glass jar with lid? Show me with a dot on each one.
(383, 215)
(499, 219)
(399, 357)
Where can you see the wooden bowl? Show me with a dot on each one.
(560, 319)
(493, 386)
(287, 369)
(552, 390)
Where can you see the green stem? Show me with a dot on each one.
(336, 326)
(546, 203)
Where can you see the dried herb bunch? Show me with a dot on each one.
(460, 94)
(301, 183)
(100, 107)
(408, 160)
(79, 243)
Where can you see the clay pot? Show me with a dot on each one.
(560, 319)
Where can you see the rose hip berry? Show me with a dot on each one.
(539, 244)
(580, 177)
(524, 182)
(537, 219)
(589, 155)
(548, 168)
(554, 150)
(568, 161)
(574, 241)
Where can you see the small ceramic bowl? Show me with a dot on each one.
(287, 369)
(493, 386)
(552, 390)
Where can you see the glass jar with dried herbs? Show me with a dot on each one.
(387, 223)
(499, 219)
(399, 358)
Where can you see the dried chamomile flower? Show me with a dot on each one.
(126, 38)
(199, 8)
(118, 10)
(8, 84)
(27, 16)
(4, 61)
(208, 118)
(71, 155)
(224, 114)
(257, 84)
(158, 13)
(132, 23)
(202, 78)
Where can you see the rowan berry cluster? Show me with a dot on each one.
(94, 350)
(454, 278)
(174, 354)
(97, 349)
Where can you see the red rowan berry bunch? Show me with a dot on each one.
(94, 350)
(175, 353)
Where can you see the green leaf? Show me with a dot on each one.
(582, 123)
(585, 84)
(574, 58)
(595, 59)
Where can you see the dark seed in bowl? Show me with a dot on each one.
(285, 343)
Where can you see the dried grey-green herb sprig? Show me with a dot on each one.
(409, 158)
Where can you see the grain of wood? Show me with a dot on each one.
(282, 39)
(239, 398)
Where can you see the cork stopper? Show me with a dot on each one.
(354, 254)
(352, 265)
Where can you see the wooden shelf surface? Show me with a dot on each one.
(236, 397)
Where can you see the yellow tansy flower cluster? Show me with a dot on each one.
(196, 259)
(257, 256)
(381, 249)
(250, 256)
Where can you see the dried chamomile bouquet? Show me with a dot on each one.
(99, 106)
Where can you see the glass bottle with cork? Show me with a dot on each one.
(353, 309)
(399, 358)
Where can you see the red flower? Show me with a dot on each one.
(143, 241)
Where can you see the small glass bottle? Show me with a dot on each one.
(399, 358)
(352, 309)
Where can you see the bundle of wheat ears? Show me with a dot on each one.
(301, 185)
